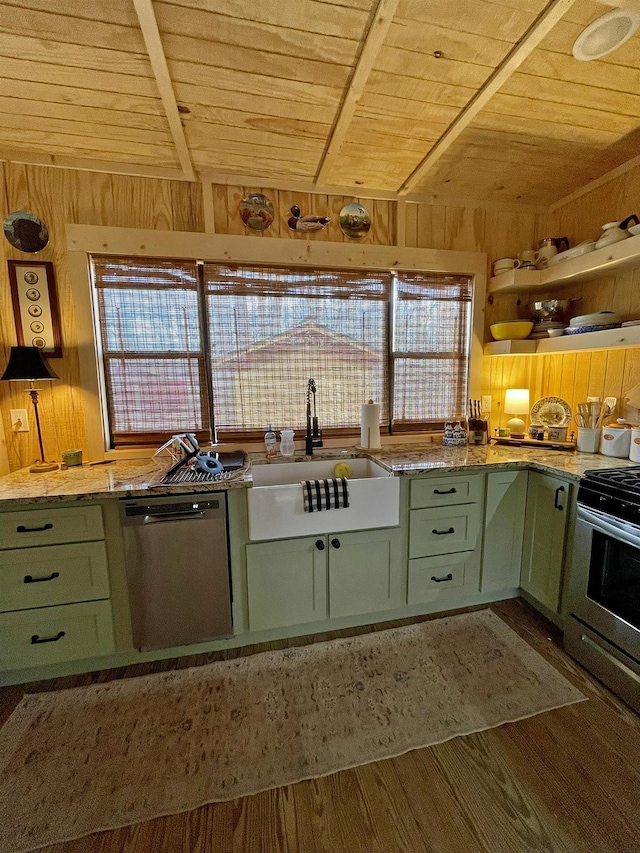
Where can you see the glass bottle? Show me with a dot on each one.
(270, 442)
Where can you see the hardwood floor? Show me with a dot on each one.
(566, 780)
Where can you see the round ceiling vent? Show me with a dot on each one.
(606, 34)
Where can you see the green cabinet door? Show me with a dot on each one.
(503, 530)
(545, 530)
(286, 582)
(365, 572)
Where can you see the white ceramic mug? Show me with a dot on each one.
(504, 264)
(634, 451)
(615, 441)
(544, 254)
(527, 258)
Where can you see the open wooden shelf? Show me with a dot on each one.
(606, 339)
(593, 265)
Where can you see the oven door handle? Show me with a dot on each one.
(617, 530)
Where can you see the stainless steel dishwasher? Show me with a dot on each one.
(177, 569)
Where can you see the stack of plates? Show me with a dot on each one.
(540, 329)
(576, 252)
(593, 322)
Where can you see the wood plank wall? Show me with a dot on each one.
(59, 196)
(62, 196)
(574, 376)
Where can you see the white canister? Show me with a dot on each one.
(588, 439)
(634, 452)
(615, 441)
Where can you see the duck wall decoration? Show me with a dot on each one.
(308, 223)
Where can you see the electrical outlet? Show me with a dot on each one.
(486, 403)
(19, 422)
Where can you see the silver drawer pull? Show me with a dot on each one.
(449, 577)
(22, 529)
(443, 532)
(31, 579)
(36, 639)
(451, 491)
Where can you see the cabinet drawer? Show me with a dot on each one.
(443, 530)
(445, 491)
(54, 634)
(430, 577)
(57, 574)
(29, 527)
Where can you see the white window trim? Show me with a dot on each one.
(85, 240)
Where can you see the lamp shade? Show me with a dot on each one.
(27, 364)
(516, 401)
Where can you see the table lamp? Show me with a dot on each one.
(516, 402)
(26, 364)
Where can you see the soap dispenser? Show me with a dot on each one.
(270, 442)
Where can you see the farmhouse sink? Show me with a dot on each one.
(276, 506)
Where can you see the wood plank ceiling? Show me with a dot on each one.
(477, 99)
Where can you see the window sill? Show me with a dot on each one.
(257, 446)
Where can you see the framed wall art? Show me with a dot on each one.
(35, 306)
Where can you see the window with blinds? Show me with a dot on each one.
(225, 349)
(271, 329)
(152, 349)
(431, 342)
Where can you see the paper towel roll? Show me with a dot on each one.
(370, 425)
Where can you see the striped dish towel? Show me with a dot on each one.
(332, 493)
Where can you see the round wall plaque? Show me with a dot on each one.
(26, 232)
(256, 211)
(354, 220)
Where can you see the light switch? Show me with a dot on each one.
(486, 403)
(19, 422)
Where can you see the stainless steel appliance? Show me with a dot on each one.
(177, 569)
(603, 624)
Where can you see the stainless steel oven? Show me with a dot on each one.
(603, 624)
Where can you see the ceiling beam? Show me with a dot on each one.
(634, 163)
(287, 184)
(374, 40)
(85, 164)
(514, 59)
(151, 35)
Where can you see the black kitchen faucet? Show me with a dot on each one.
(313, 437)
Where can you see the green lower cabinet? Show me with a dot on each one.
(503, 530)
(296, 581)
(545, 533)
(287, 582)
(445, 579)
(365, 572)
(443, 530)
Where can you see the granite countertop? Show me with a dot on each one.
(140, 477)
(127, 478)
(418, 459)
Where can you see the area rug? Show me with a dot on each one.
(91, 758)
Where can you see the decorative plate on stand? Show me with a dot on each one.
(551, 411)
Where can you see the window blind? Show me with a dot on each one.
(431, 345)
(271, 329)
(151, 348)
(227, 349)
